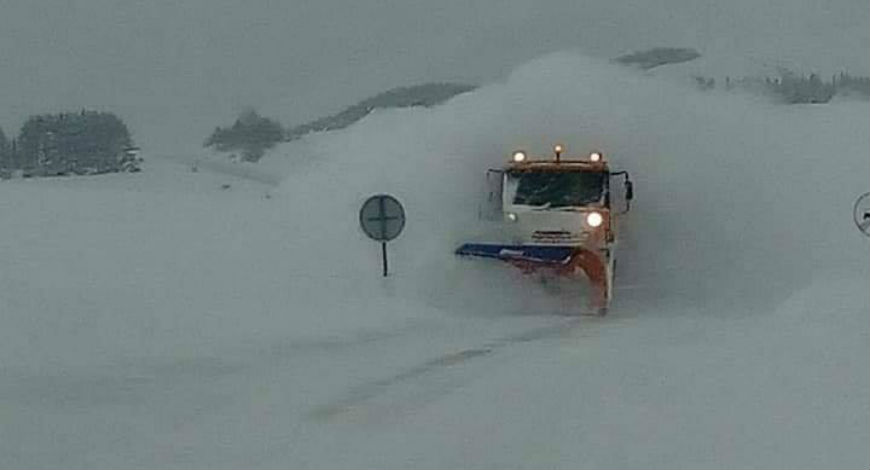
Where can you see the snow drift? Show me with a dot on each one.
(157, 320)
(735, 202)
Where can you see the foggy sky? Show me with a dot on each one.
(175, 69)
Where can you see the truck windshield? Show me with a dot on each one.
(559, 189)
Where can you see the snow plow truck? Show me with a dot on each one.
(557, 215)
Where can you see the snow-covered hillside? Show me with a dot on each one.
(162, 319)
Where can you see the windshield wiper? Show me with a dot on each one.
(542, 207)
(550, 207)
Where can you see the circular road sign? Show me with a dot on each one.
(862, 213)
(382, 217)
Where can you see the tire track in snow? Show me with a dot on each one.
(368, 391)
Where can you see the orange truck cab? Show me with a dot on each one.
(557, 214)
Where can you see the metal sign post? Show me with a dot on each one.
(382, 218)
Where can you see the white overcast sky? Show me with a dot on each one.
(165, 61)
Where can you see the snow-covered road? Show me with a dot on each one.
(649, 389)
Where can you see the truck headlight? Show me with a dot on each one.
(594, 219)
(511, 216)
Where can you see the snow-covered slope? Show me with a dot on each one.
(158, 320)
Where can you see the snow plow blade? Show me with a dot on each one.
(563, 260)
(553, 255)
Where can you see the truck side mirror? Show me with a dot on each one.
(490, 209)
(629, 190)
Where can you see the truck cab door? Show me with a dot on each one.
(491, 207)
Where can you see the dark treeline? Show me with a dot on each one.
(848, 84)
(792, 88)
(248, 138)
(86, 142)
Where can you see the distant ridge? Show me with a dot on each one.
(426, 95)
(658, 56)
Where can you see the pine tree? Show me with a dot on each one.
(5, 151)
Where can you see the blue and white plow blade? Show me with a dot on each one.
(553, 255)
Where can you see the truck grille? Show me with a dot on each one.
(551, 235)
